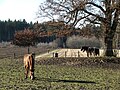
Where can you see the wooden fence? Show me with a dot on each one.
(17, 52)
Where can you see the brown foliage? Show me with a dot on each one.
(25, 38)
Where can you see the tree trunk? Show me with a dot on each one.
(109, 47)
(109, 37)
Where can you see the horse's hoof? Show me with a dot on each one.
(25, 77)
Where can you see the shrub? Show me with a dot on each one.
(78, 41)
(25, 38)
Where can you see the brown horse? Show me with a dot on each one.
(29, 60)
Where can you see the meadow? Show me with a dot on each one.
(62, 74)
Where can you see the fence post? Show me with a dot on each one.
(78, 54)
(28, 50)
(56, 54)
(53, 54)
(14, 55)
(65, 53)
(48, 50)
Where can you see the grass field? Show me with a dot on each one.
(60, 74)
(6, 52)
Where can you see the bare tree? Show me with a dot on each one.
(79, 12)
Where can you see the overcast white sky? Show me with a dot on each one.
(19, 9)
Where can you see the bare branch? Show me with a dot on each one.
(101, 8)
(97, 16)
(94, 21)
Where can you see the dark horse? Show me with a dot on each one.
(90, 50)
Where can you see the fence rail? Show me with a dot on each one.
(17, 52)
(74, 53)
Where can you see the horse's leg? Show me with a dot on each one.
(26, 72)
(32, 72)
(31, 64)
(31, 75)
(90, 54)
(87, 54)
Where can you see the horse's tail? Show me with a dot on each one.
(31, 63)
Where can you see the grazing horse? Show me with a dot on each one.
(29, 60)
(90, 50)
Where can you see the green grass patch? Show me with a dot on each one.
(57, 77)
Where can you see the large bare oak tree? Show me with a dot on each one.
(77, 12)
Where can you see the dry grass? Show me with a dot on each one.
(17, 52)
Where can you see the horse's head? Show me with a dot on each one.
(84, 48)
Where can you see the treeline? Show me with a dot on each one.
(49, 31)
(45, 32)
(8, 28)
